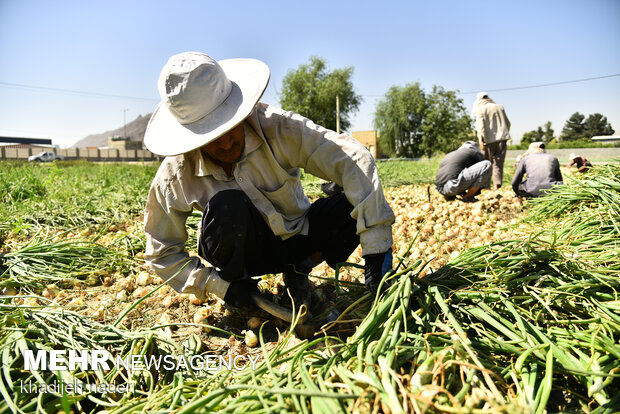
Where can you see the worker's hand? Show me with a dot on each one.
(375, 268)
(239, 293)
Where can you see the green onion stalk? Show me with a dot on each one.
(527, 325)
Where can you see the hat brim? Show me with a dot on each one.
(165, 135)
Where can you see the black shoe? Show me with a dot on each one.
(298, 286)
(469, 199)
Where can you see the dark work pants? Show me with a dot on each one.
(236, 239)
(496, 153)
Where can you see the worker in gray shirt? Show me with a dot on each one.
(463, 172)
(541, 171)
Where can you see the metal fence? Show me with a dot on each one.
(90, 154)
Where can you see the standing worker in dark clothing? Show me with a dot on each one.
(542, 171)
(463, 172)
(493, 128)
(582, 164)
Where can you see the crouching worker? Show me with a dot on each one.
(582, 164)
(463, 172)
(541, 171)
(239, 162)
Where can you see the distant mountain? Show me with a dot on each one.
(135, 130)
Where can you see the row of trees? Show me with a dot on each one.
(414, 123)
(579, 127)
(411, 122)
(544, 134)
(576, 128)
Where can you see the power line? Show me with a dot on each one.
(526, 87)
(541, 85)
(70, 91)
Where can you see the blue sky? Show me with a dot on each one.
(70, 68)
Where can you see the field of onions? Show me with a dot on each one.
(496, 306)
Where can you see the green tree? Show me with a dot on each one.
(548, 133)
(531, 136)
(574, 128)
(398, 118)
(596, 124)
(311, 91)
(545, 135)
(412, 123)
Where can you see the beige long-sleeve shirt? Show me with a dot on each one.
(278, 145)
(492, 123)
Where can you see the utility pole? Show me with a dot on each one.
(338, 114)
(124, 122)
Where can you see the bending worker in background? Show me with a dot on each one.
(582, 164)
(493, 129)
(239, 162)
(463, 172)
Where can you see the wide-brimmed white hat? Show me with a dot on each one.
(201, 100)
